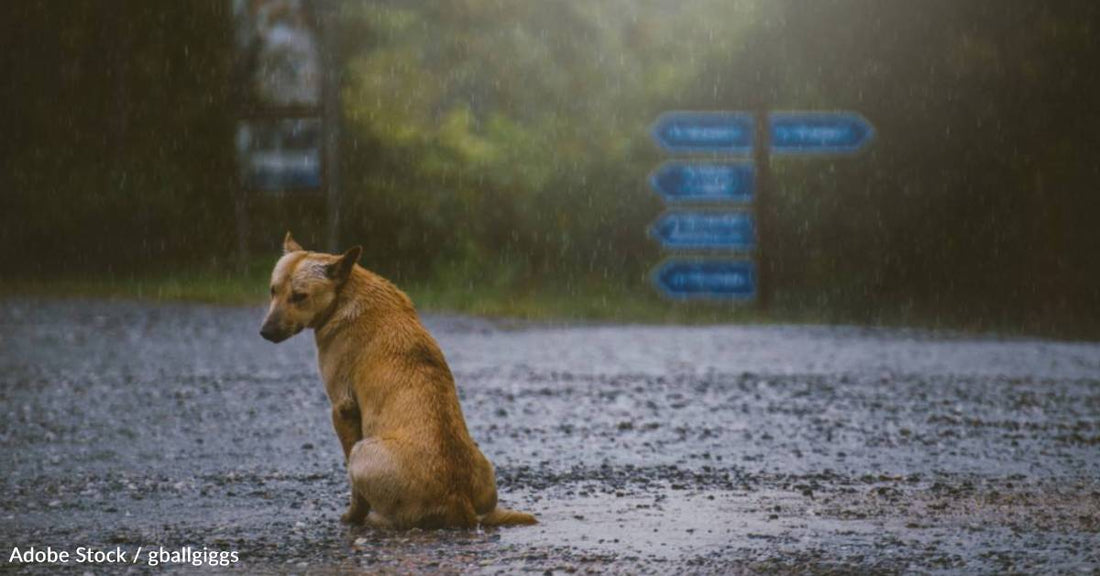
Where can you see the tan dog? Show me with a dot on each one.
(410, 459)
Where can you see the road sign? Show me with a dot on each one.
(280, 154)
(702, 230)
(685, 182)
(706, 279)
(682, 182)
(717, 132)
(818, 132)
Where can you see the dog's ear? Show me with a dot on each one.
(289, 245)
(341, 269)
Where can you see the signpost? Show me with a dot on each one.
(818, 132)
(716, 132)
(287, 92)
(280, 154)
(685, 182)
(705, 230)
(685, 279)
(709, 183)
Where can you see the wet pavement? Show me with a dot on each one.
(716, 449)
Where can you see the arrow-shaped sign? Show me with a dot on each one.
(818, 132)
(702, 230)
(706, 279)
(682, 182)
(718, 132)
(685, 182)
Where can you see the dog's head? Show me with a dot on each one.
(304, 286)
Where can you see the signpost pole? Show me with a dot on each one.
(763, 134)
(764, 208)
(331, 121)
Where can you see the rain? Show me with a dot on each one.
(723, 286)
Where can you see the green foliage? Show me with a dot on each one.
(497, 151)
(512, 140)
(515, 134)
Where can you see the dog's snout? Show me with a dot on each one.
(270, 332)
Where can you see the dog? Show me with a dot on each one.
(410, 459)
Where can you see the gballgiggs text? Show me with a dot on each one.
(117, 555)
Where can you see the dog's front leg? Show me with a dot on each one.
(346, 419)
(348, 424)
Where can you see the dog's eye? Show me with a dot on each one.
(272, 291)
(297, 297)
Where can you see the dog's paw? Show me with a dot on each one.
(354, 515)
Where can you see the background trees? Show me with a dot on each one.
(506, 143)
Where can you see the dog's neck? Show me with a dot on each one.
(363, 295)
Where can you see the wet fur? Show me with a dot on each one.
(410, 459)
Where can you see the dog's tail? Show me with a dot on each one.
(505, 517)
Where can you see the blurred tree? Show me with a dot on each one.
(118, 137)
(481, 131)
(506, 143)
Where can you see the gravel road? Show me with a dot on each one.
(642, 449)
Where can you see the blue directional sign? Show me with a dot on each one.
(682, 182)
(717, 132)
(701, 230)
(706, 279)
(818, 132)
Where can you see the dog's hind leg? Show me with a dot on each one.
(375, 482)
(359, 507)
(379, 521)
(357, 510)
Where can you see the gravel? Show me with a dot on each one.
(642, 449)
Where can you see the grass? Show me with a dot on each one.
(193, 287)
(587, 300)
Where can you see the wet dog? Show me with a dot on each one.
(410, 459)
